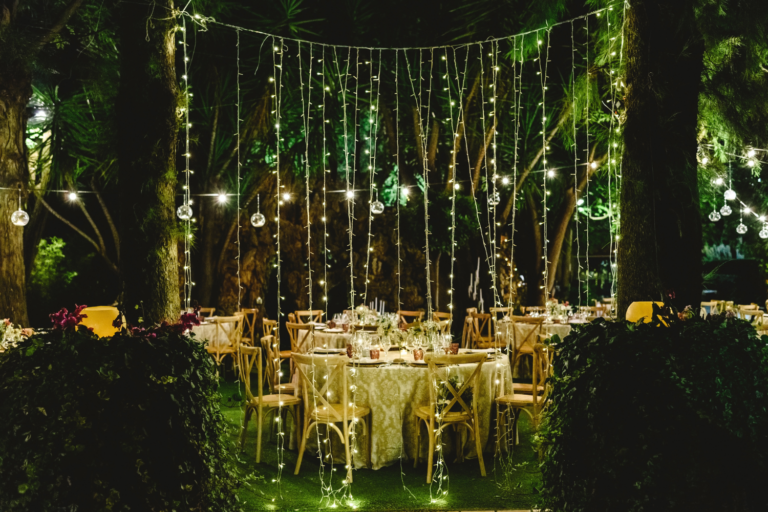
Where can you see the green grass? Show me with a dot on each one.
(383, 489)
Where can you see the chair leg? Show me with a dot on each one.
(303, 446)
(431, 456)
(350, 462)
(259, 416)
(478, 444)
(418, 442)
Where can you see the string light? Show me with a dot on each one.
(185, 212)
(72, 196)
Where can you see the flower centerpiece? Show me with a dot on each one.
(10, 335)
(557, 311)
(387, 324)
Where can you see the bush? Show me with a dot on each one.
(130, 422)
(646, 417)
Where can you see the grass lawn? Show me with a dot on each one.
(383, 489)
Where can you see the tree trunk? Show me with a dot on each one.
(15, 91)
(535, 285)
(659, 254)
(148, 125)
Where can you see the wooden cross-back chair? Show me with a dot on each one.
(466, 333)
(302, 340)
(512, 404)
(444, 320)
(314, 315)
(709, 307)
(321, 409)
(438, 419)
(226, 341)
(206, 312)
(273, 367)
(249, 327)
(752, 315)
(269, 327)
(410, 317)
(483, 335)
(250, 357)
(523, 342)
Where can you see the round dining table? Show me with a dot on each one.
(214, 334)
(393, 391)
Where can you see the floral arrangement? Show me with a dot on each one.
(556, 310)
(64, 320)
(10, 335)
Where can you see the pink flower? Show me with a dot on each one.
(64, 320)
(7, 322)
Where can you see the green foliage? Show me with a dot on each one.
(121, 423)
(467, 227)
(646, 417)
(49, 273)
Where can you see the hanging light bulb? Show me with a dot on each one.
(730, 195)
(495, 198)
(184, 212)
(221, 198)
(764, 232)
(72, 196)
(257, 219)
(377, 206)
(714, 216)
(741, 228)
(751, 153)
(350, 194)
(726, 210)
(20, 217)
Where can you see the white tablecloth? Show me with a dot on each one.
(324, 339)
(213, 334)
(393, 393)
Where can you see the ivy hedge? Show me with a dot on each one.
(651, 417)
(129, 422)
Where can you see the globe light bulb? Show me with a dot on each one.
(405, 191)
(350, 194)
(751, 153)
(593, 165)
(714, 216)
(719, 181)
(184, 212)
(741, 228)
(72, 196)
(221, 198)
(751, 163)
(551, 173)
(20, 218)
(495, 199)
(456, 186)
(730, 195)
(286, 196)
(377, 207)
(726, 210)
(764, 232)
(505, 181)
(258, 220)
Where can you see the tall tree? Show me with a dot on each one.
(21, 40)
(148, 126)
(659, 253)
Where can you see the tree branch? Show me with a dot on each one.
(67, 13)
(110, 221)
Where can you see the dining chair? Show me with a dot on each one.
(292, 318)
(226, 340)
(409, 317)
(709, 307)
(523, 342)
(315, 315)
(302, 340)
(274, 372)
(753, 316)
(206, 312)
(444, 320)
(482, 331)
(249, 327)
(512, 404)
(321, 409)
(444, 326)
(258, 403)
(466, 333)
(437, 416)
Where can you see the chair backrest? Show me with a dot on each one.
(439, 316)
(500, 311)
(748, 306)
(207, 312)
(302, 336)
(482, 328)
(248, 358)
(406, 317)
(543, 356)
(444, 326)
(272, 355)
(249, 327)
(531, 337)
(233, 334)
(292, 318)
(315, 315)
(322, 369)
(438, 375)
(268, 326)
(748, 313)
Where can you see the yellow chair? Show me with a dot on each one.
(100, 318)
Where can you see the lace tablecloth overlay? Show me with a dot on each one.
(215, 336)
(393, 393)
(325, 339)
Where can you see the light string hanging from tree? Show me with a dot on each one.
(575, 163)
(586, 195)
(547, 174)
(324, 163)
(184, 211)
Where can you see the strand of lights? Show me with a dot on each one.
(469, 161)
(184, 212)
(575, 161)
(586, 258)
(496, 195)
(306, 109)
(518, 107)
(374, 205)
(744, 208)
(543, 79)
(351, 188)
(397, 165)
(452, 173)
(277, 70)
(612, 150)
(324, 283)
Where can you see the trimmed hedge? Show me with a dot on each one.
(130, 422)
(647, 417)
